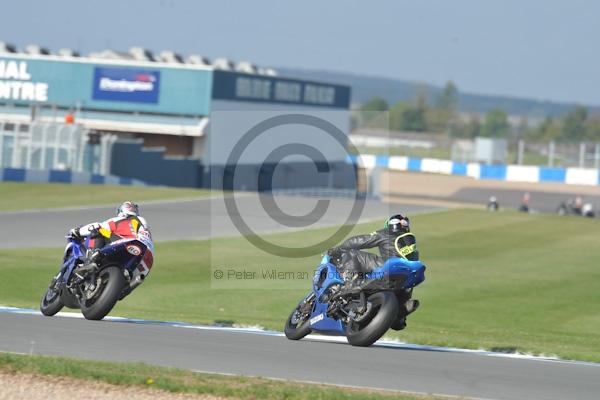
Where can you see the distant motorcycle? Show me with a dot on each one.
(493, 204)
(93, 281)
(569, 208)
(362, 314)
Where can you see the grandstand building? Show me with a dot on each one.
(160, 118)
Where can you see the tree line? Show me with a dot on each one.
(442, 116)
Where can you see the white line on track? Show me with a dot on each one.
(390, 343)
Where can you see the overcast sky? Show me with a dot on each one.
(542, 49)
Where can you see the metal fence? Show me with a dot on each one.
(518, 151)
(52, 146)
(553, 154)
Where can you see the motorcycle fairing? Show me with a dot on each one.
(407, 273)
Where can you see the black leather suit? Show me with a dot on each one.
(353, 260)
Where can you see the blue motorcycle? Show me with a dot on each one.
(362, 313)
(93, 281)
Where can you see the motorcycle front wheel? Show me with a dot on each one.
(382, 313)
(50, 303)
(298, 323)
(97, 303)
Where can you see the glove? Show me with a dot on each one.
(94, 230)
(74, 233)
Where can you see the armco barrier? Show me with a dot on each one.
(56, 176)
(512, 173)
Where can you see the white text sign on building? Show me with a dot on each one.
(16, 83)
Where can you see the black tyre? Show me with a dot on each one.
(109, 284)
(298, 323)
(384, 310)
(50, 303)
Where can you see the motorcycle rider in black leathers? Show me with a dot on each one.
(394, 240)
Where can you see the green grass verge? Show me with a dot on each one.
(26, 196)
(508, 281)
(182, 381)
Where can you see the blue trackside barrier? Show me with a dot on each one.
(459, 168)
(553, 174)
(497, 172)
(97, 179)
(59, 176)
(414, 164)
(13, 175)
(511, 173)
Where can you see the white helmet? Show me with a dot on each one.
(128, 209)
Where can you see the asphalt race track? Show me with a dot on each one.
(540, 201)
(509, 199)
(424, 370)
(187, 219)
(271, 355)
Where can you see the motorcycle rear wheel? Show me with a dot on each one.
(384, 309)
(112, 282)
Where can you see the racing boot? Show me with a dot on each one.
(408, 308)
